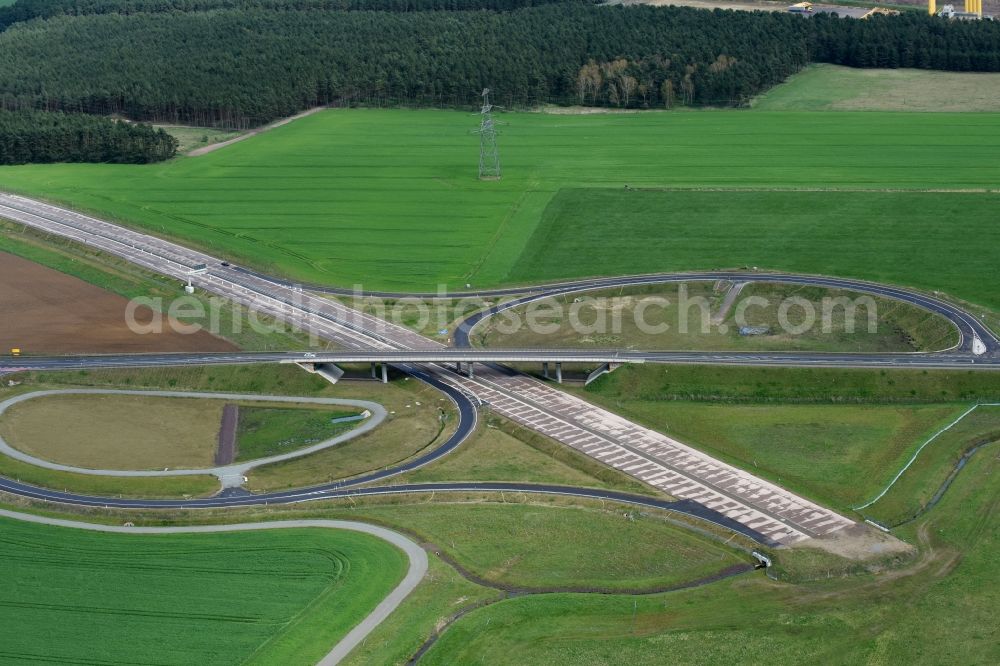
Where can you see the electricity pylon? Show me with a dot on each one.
(489, 156)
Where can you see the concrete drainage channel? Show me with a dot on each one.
(230, 476)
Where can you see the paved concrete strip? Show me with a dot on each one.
(230, 475)
(416, 555)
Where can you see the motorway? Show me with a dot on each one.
(943, 360)
(772, 513)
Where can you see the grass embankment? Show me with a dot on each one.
(822, 87)
(684, 317)
(283, 596)
(921, 482)
(231, 320)
(940, 609)
(839, 455)
(427, 219)
(793, 385)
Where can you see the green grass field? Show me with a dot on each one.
(390, 198)
(257, 597)
(524, 545)
(929, 240)
(728, 384)
(823, 87)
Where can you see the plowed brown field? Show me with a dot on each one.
(43, 311)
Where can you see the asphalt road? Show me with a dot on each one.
(969, 327)
(414, 574)
(495, 355)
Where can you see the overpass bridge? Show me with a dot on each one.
(464, 359)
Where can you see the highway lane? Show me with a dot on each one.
(944, 360)
(343, 491)
(647, 455)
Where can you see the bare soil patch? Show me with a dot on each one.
(226, 452)
(44, 311)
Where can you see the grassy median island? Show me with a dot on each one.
(687, 316)
(133, 432)
(521, 545)
(416, 216)
(270, 431)
(281, 596)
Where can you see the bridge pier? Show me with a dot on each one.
(558, 372)
(385, 373)
(472, 373)
(545, 369)
(374, 375)
(604, 369)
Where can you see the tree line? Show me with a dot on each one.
(244, 67)
(39, 136)
(26, 10)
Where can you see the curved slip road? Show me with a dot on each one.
(969, 326)
(228, 475)
(415, 554)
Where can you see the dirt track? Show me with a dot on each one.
(204, 150)
(226, 452)
(45, 311)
